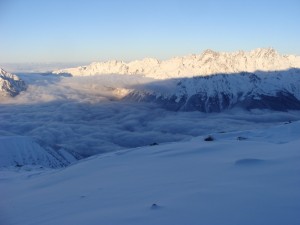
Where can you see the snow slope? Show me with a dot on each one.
(10, 84)
(250, 178)
(19, 151)
(207, 63)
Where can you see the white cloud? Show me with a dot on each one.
(78, 114)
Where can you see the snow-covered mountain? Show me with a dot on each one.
(18, 151)
(211, 81)
(207, 63)
(265, 90)
(10, 84)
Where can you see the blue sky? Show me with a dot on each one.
(91, 30)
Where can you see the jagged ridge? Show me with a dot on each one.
(207, 63)
(10, 84)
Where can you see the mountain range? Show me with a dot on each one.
(207, 63)
(209, 82)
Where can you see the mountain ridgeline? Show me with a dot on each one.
(211, 81)
(207, 63)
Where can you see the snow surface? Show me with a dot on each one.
(207, 63)
(239, 178)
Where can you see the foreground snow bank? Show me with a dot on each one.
(238, 178)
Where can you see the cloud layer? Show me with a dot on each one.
(78, 114)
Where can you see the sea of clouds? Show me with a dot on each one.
(80, 114)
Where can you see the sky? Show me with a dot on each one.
(94, 30)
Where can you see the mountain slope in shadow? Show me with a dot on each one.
(274, 90)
